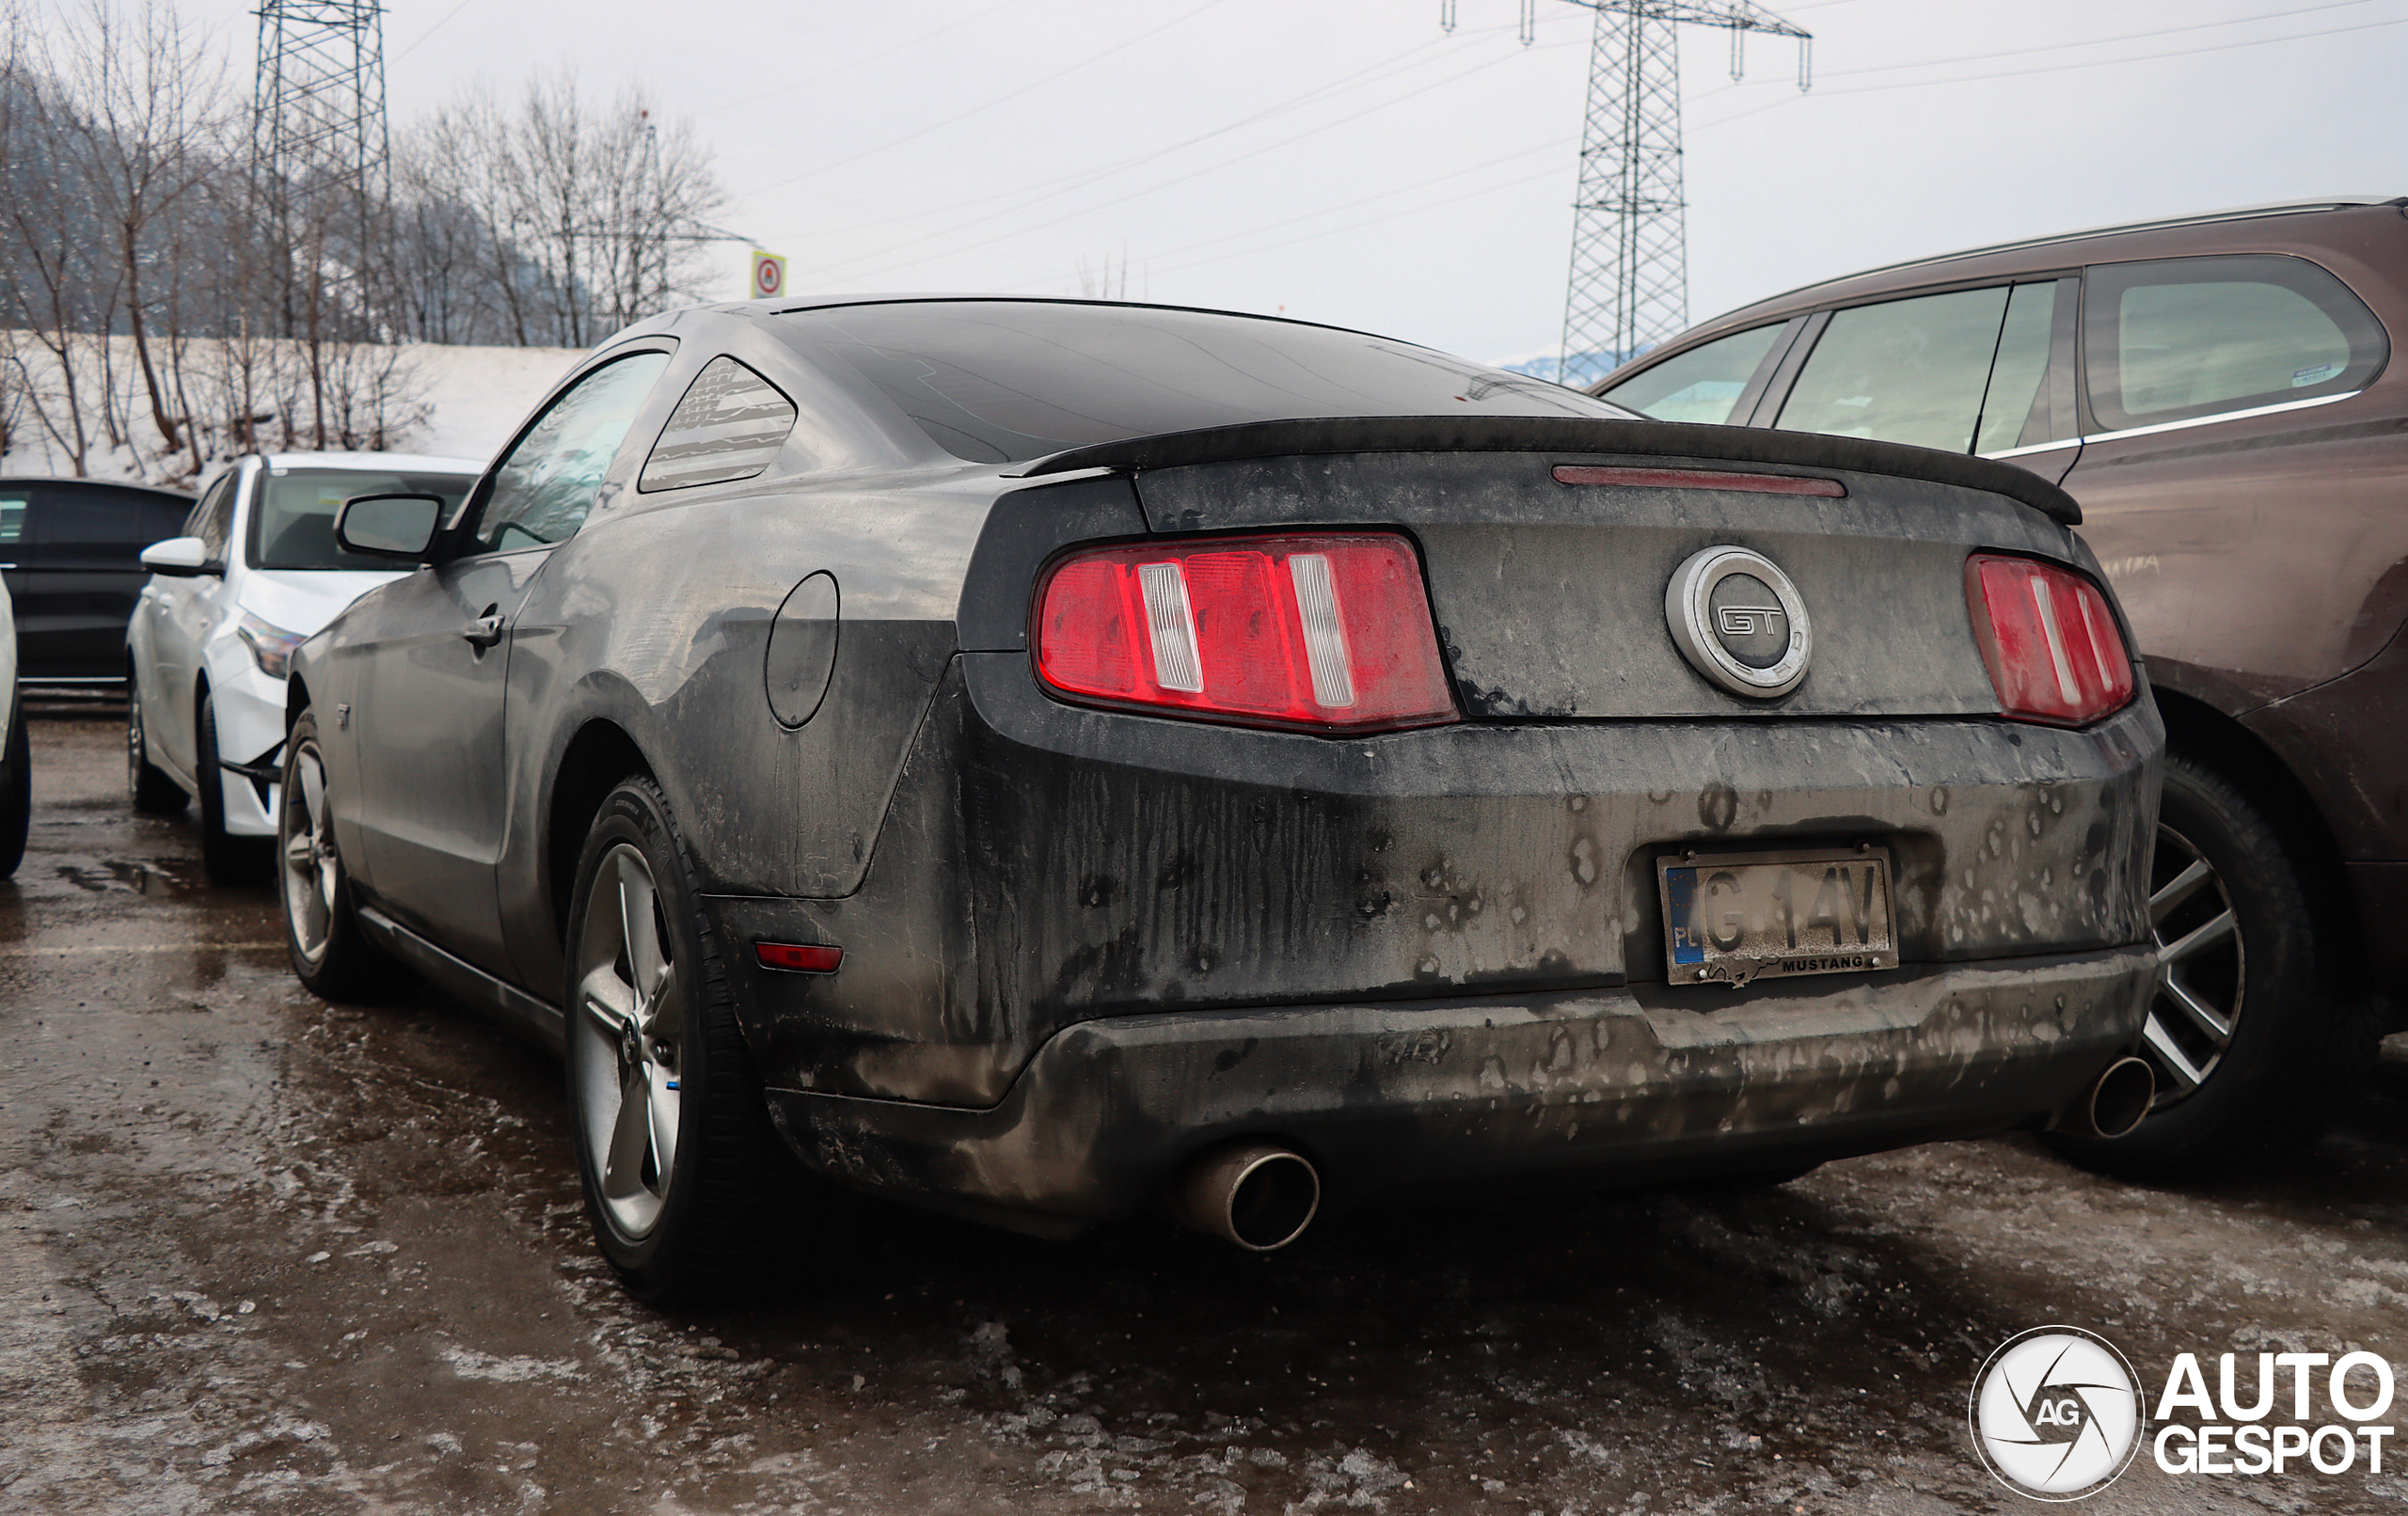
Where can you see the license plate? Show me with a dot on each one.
(1731, 917)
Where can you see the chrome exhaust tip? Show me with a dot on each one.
(1260, 1196)
(2117, 1103)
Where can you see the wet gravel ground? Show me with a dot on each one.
(257, 1252)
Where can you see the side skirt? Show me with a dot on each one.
(514, 1008)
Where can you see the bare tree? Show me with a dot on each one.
(51, 287)
(589, 217)
(151, 112)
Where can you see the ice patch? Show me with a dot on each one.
(469, 1363)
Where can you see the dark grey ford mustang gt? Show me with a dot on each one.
(1043, 757)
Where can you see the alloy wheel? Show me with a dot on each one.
(2200, 967)
(630, 1023)
(312, 875)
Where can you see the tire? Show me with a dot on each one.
(2272, 1044)
(153, 792)
(16, 788)
(650, 1014)
(331, 957)
(225, 858)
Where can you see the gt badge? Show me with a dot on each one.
(1739, 622)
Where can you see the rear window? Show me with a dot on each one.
(2179, 338)
(1002, 381)
(1701, 385)
(293, 524)
(1905, 370)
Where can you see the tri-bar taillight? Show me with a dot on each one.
(2050, 638)
(1321, 632)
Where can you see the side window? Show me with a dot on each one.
(1904, 370)
(1701, 385)
(16, 506)
(730, 424)
(213, 519)
(545, 484)
(95, 521)
(2179, 338)
(2016, 411)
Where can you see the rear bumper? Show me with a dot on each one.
(1627, 1084)
(1042, 867)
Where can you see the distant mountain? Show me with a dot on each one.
(1586, 367)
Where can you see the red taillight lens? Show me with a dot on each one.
(2049, 640)
(1325, 633)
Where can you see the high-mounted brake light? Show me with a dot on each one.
(1319, 632)
(2050, 641)
(1698, 479)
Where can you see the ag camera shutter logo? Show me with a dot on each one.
(2056, 1413)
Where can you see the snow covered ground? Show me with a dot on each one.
(455, 402)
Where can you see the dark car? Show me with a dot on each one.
(70, 550)
(1041, 757)
(2218, 393)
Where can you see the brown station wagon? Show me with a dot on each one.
(2217, 393)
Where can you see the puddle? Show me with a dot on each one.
(151, 880)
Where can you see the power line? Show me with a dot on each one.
(1367, 221)
(840, 270)
(945, 30)
(2096, 41)
(989, 104)
(1555, 145)
(2104, 63)
(1028, 194)
(431, 30)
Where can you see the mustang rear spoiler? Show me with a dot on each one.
(1653, 440)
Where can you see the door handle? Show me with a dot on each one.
(485, 631)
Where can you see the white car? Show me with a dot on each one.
(255, 574)
(16, 749)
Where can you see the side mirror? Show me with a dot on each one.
(388, 525)
(179, 557)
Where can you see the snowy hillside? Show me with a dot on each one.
(455, 402)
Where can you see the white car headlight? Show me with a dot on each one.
(270, 645)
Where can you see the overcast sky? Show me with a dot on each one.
(1345, 161)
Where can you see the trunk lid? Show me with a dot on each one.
(1550, 597)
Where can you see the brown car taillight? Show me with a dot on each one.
(2050, 641)
(1322, 632)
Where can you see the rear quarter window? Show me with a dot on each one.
(730, 424)
(1704, 384)
(2182, 337)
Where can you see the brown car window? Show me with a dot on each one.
(2179, 338)
(2015, 409)
(1902, 370)
(1701, 385)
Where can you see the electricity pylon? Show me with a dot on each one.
(1628, 289)
(321, 155)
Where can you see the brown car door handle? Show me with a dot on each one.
(485, 631)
